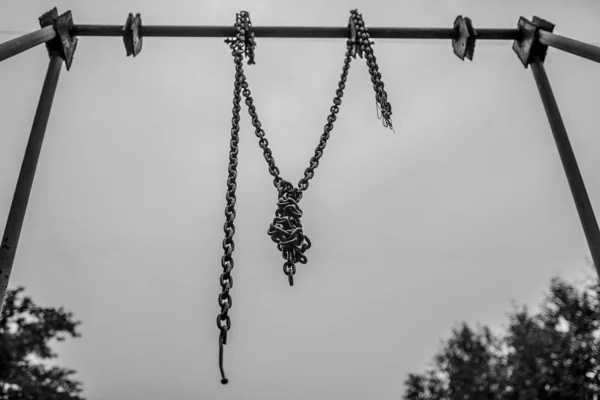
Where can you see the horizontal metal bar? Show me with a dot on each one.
(26, 42)
(569, 45)
(288, 32)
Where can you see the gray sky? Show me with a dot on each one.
(463, 210)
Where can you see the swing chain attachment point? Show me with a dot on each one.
(244, 40)
(64, 43)
(464, 38)
(132, 37)
(357, 48)
(361, 45)
(527, 46)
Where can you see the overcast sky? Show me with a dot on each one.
(461, 211)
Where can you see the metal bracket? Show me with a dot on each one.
(132, 37)
(528, 46)
(465, 36)
(64, 43)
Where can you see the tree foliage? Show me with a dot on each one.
(26, 332)
(553, 353)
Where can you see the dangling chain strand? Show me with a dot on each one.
(240, 46)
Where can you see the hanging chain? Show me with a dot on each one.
(240, 46)
(363, 44)
(286, 229)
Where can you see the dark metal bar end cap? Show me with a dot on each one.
(131, 34)
(64, 43)
(465, 36)
(527, 46)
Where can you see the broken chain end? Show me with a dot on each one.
(222, 341)
(389, 125)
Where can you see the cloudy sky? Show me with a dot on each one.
(463, 210)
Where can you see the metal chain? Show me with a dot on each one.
(384, 108)
(286, 229)
(239, 48)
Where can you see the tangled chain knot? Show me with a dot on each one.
(286, 229)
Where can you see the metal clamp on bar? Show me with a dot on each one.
(132, 37)
(464, 41)
(528, 46)
(63, 43)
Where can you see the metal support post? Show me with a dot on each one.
(60, 49)
(16, 215)
(532, 51)
(569, 162)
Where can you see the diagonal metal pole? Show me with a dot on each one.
(16, 215)
(569, 45)
(26, 42)
(578, 190)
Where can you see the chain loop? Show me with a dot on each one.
(286, 229)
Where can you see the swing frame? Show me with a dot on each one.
(531, 40)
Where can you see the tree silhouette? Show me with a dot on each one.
(551, 354)
(26, 331)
